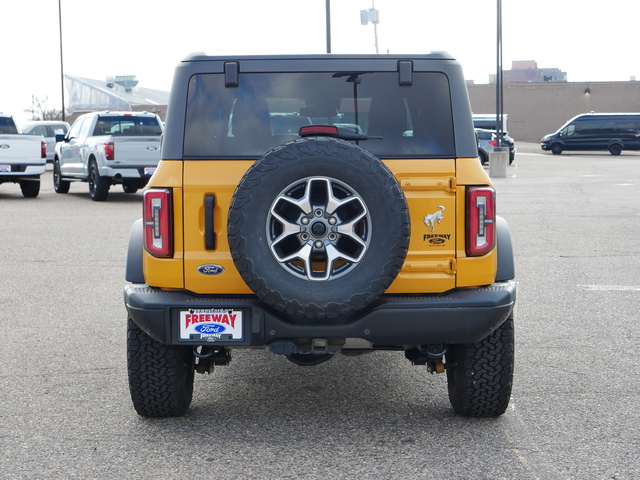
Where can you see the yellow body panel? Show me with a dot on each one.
(434, 189)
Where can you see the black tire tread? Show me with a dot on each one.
(160, 376)
(480, 375)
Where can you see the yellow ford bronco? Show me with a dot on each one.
(320, 205)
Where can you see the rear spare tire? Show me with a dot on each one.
(318, 228)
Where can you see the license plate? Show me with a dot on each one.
(5, 168)
(149, 171)
(211, 325)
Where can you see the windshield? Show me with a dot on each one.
(267, 109)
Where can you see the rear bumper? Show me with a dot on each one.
(128, 171)
(458, 316)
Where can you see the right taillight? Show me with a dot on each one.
(156, 213)
(481, 220)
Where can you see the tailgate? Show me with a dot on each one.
(21, 150)
(430, 189)
(137, 151)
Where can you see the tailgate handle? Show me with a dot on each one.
(209, 234)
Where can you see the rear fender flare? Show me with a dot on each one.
(506, 264)
(134, 272)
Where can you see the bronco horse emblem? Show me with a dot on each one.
(432, 218)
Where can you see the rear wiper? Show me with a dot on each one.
(333, 131)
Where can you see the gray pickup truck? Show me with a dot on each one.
(108, 148)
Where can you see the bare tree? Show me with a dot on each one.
(40, 110)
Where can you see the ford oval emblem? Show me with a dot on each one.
(436, 241)
(207, 328)
(4, 146)
(210, 269)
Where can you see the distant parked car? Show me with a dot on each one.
(48, 129)
(487, 142)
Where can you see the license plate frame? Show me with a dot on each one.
(212, 324)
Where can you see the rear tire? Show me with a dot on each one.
(98, 186)
(59, 185)
(160, 376)
(615, 149)
(30, 188)
(480, 375)
(129, 187)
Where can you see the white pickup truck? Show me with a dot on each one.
(23, 158)
(108, 148)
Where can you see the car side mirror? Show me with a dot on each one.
(60, 137)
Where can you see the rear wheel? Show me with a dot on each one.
(160, 376)
(480, 375)
(98, 186)
(615, 149)
(59, 185)
(30, 188)
(129, 187)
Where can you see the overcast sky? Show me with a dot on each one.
(591, 41)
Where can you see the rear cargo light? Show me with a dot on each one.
(481, 220)
(43, 149)
(109, 151)
(156, 212)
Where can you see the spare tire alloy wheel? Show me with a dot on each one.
(318, 228)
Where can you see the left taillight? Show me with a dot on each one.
(109, 151)
(43, 149)
(156, 213)
(481, 220)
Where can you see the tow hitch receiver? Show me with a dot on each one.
(429, 355)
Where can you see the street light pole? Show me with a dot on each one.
(498, 159)
(328, 8)
(61, 62)
(499, 78)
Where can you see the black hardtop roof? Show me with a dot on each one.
(202, 57)
(437, 61)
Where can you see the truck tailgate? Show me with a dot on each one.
(137, 151)
(21, 150)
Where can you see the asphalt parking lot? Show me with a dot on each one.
(65, 410)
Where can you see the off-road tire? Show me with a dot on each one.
(480, 375)
(160, 376)
(98, 186)
(30, 188)
(328, 159)
(59, 185)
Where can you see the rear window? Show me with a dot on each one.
(267, 109)
(127, 125)
(7, 126)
